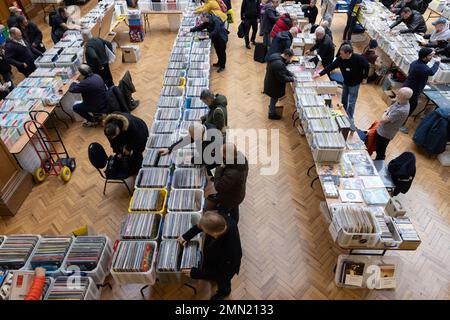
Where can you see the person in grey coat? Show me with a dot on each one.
(269, 19)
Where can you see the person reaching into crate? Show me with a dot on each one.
(222, 251)
(128, 136)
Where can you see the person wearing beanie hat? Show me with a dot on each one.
(440, 35)
(417, 77)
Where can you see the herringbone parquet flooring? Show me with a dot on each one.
(288, 253)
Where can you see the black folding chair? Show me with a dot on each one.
(99, 159)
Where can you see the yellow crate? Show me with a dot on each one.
(162, 193)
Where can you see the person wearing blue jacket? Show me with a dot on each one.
(282, 41)
(417, 78)
(218, 35)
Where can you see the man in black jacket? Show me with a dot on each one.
(31, 33)
(413, 20)
(5, 68)
(127, 135)
(94, 94)
(222, 251)
(96, 56)
(250, 14)
(282, 41)
(310, 11)
(324, 46)
(230, 181)
(218, 35)
(20, 53)
(277, 75)
(354, 69)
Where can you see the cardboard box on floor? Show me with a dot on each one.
(130, 53)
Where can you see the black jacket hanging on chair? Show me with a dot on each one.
(403, 171)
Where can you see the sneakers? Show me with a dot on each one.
(274, 116)
(404, 130)
(215, 64)
(219, 296)
(220, 70)
(89, 124)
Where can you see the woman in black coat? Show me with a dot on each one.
(127, 135)
(222, 251)
(277, 75)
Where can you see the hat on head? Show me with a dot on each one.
(373, 44)
(439, 21)
(424, 52)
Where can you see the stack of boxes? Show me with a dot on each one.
(136, 26)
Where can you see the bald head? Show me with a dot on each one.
(196, 131)
(15, 33)
(404, 94)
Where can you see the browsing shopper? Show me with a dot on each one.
(222, 251)
(354, 69)
(20, 53)
(250, 13)
(412, 19)
(217, 113)
(391, 121)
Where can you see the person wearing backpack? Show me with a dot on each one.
(217, 114)
(215, 8)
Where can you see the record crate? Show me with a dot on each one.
(101, 271)
(194, 103)
(148, 277)
(174, 81)
(157, 223)
(161, 201)
(164, 127)
(153, 178)
(92, 292)
(161, 140)
(167, 114)
(180, 173)
(173, 277)
(195, 114)
(153, 159)
(166, 102)
(26, 262)
(194, 219)
(182, 158)
(195, 200)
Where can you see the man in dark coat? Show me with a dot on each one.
(217, 114)
(282, 41)
(20, 53)
(417, 78)
(94, 94)
(5, 68)
(324, 46)
(413, 20)
(222, 251)
(230, 181)
(270, 18)
(127, 135)
(96, 56)
(250, 14)
(218, 35)
(31, 33)
(310, 11)
(277, 75)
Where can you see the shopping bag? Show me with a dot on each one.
(241, 30)
(110, 54)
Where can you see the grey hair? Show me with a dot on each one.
(85, 70)
(320, 30)
(86, 34)
(206, 94)
(14, 31)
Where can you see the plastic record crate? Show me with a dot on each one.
(101, 271)
(168, 114)
(163, 140)
(151, 159)
(27, 261)
(178, 173)
(92, 292)
(154, 172)
(148, 277)
(194, 103)
(158, 220)
(162, 199)
(195, 218)
(172, 103)
(169, 277)
(194, 114)
(197, 195)
(164, 127)
(182, 158)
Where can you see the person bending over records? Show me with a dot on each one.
(222, 251)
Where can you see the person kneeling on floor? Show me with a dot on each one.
(93, 91)
(230, 180)
(222, 251)
(277, 75)
(127, 135)
(391, 121)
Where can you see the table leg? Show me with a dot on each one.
(142, 291)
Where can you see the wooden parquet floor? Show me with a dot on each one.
(287, 250)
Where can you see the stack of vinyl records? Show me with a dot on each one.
(179, 58)
(322, 125)
(194, 73)
(196, 103)
(169, 256)
(183, 158)
(50, 252)
(178, 65)
(199, 58)
(198, 65)
(172, 91)
(354, 219)
(152, 178)
(198, 82)
(189, 178)
(176, 224)
(189, 258)
(68, 288)
(316, 113)
(307, 101)
(195, 91)
(147, 200)
(140, 226)
(86, 252)
(169, 102)
(152, 158)
(133, 256)
(195, 114)
(160, 141)
(16, 250)
(186, 200)
(172, 81)
(329, 140)
(173, 72)
(164, 127)
(168, 114)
